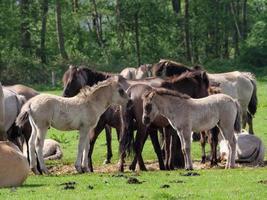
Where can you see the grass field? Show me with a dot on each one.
(239, 183)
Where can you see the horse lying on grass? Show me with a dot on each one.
(80, 112)
(194, 115)
(249, 149)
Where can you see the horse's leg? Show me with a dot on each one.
(108, 139)
(31, 144)
(185, 137)
(92, 139)
(228, 134)
(250, 124)
(136, 148)
(82, 137)
(203, 144)
(176, 154)
(155, 142)
(214, 143)
(141, 136)
(85, 167)
(167, 148)
(39, 143)
(244, 118)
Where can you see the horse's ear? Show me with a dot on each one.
(71, 66)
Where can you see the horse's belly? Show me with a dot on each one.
(65, 125)
(205, 125)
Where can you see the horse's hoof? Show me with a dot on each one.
(45, 171)
(189, 168)
(35, 171)
(85, 169)
(79, 169)
(143, 168)
(106, 162)
(132, 168)
(203, 160)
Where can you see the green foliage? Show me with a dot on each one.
(110, 36)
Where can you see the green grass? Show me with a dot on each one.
(240, 183)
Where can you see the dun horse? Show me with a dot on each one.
(80, 112)
(194, 115)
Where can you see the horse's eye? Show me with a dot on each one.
(148, 107)
(121, 91)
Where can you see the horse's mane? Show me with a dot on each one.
(165, 62)
(90, 75)
(198, 75)
(163, 91)
(96, 74)
(87, 91)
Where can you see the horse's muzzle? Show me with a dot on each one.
(146, 120)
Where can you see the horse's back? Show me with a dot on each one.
(23, 90)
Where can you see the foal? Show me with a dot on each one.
(80, 112)
(194, 115)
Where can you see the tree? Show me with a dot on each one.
(44, 9)
(25, 26)
(60, 34)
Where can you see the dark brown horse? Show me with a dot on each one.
(195, 84)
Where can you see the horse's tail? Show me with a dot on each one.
(2, 114)
(127, 135)
(252, 106)
(237, 124)
(23, 116)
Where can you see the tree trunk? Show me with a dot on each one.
(43, 30)
(119, 25)
(176, 5)
(245, 28)
(97, 23)
(25, 26)
(137, 43)
(75, 6)
(60, 35)
(187, 31)
(216, 29)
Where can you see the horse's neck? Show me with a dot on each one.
(172, 104)
(102, 98)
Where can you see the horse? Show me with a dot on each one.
(141, 72)
(194, 115)
(15, 134)
(194, 84)
(14, 167)
(249, 149)
(73, 80)
(80, 112)
(239, 85)
(52, 150)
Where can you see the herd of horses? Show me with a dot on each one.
(167, 97)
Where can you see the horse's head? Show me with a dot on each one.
(73, 79)
(202, 83)
(150, 110)
(167, 68)
(119, 96)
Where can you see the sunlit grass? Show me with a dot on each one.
(241, 183)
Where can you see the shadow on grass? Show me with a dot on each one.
(32, 185)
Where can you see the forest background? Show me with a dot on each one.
(40, 38)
